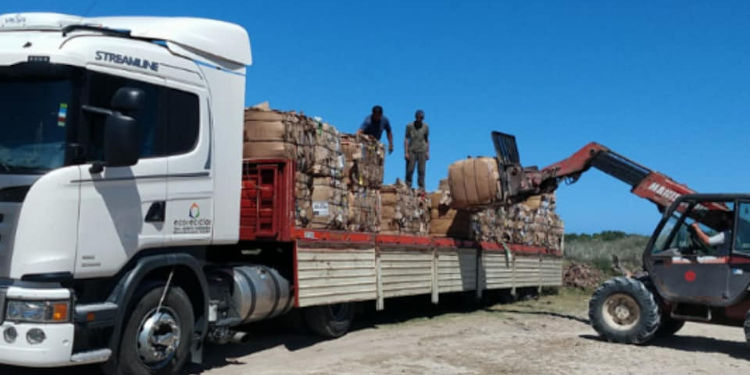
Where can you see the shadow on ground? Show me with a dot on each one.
(534, 312)
(694, 344)
(289, 332)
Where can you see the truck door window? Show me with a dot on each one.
(742, 239)
(169, 120)
(102, 88)
(183, 121)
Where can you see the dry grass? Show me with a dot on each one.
(598, 249)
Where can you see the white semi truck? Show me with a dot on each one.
(130, 226)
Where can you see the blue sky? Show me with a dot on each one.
(666, 83)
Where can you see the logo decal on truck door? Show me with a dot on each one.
(193, 225)
(195, 211)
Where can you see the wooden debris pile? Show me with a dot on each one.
(581, 275)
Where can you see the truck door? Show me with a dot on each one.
(685, 269)
(739, 262)
(190, 189)
(121, 208)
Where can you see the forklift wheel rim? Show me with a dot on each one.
(621, 311)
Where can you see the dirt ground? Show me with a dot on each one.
(550, 335)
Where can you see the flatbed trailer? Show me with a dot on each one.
(332, 267)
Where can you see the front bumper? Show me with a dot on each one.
(57, 348)
(54, 351)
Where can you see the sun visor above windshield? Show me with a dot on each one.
(196, 33)
(218, 39)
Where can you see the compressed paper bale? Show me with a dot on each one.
(364, 160)
(268, 150)
(474, 182)
(453, 223)
(388, 196)
(364, 210)
(405, 210)
(327, 216)
(264, 131)
(256, 114)
(533, 202)
(303, 212)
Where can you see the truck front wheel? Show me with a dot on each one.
(330, 321)
(156, 339)
(624, 310)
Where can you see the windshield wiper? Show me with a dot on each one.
(12, 169)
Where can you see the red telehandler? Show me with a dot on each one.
(696, 265)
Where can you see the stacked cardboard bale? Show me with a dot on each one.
(404, 210)
(474, 182)
(302, 199)
(338, 185)
(444, 220)
(272, 134)
(320, 194)
(363, 174)
(364, 160)
(533, 222)
(330, 205)
(364, 210)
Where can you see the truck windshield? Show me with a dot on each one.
(35, 110)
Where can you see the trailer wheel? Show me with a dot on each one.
(624, 310)
(330, 321)
(157, 342)
(669, 326)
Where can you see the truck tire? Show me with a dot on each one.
(157, 343)
(624, 310)
(330, 321)
(669, 326)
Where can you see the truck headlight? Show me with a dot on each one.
(38, 311)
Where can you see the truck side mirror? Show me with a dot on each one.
(121, 132)
(121, 141)
(127, 99)
(121, 135)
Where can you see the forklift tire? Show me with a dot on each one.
(623, 310)
(330, 321)
(669, 326)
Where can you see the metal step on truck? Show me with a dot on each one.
(131, 228)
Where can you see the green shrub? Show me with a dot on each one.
(597, 249)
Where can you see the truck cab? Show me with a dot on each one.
(119, 144)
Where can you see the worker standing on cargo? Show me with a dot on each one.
(416, 148)
(374, 125)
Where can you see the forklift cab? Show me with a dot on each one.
(687, 269)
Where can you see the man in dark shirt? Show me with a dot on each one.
(374, 125)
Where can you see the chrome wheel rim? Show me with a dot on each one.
(158, 337)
